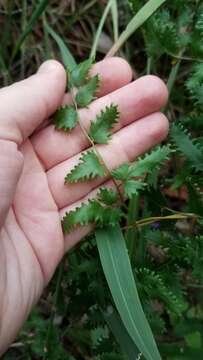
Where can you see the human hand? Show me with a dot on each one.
(34, 159)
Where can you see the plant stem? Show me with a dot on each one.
(131, 234)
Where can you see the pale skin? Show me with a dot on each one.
(34, 158)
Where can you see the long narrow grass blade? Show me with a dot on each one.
(123, 338)
(99, 29)
(34, 18)
(117, 269)
(66, 55)
(114, 12)
(145, 12)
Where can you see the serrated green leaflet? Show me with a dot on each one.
(142, 165)
(79, 75)
(108, 196)
(121, 173)
(117, 269)
(86, 93)
(100, 129)
(150, 161)
(185, 144)
(92, 212)
(66, 118)
(132, 187)
(88, 168)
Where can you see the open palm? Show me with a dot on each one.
(34, 159)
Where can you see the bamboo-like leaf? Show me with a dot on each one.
(66, 55)
(145, 12)
(123, 338)
(117, 269)
(35, 16)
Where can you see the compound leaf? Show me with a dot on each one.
(101, 127)
(88, 168)
(65, 118)
(87, 92)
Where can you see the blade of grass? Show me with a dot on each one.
(123, 338)
(99, 29)
(114, 12)
(66, 55)
(145, 12)
(119, 275)
(29, 27)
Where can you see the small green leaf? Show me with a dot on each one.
(121, 173)
(132, 187)
(91, 213)
(88, 168)
(150, 161)
(101, 127)
(108, 196)
(80, 73)
(87, 92)
(142, 166)
(66, 118)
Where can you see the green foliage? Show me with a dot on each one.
(88, 168)
(166, 255)
(108, 196)
(80, 74)
(144, 165)
(66, 118)
(91, 213)
(133, 187)
(100, 128)
(116, 264)
(195, 84)
(187, 146)
(86, 93)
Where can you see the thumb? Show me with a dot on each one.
(23, 107)
(26, 104)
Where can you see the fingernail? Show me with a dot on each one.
(48, 66)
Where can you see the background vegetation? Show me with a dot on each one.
(76, 318)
